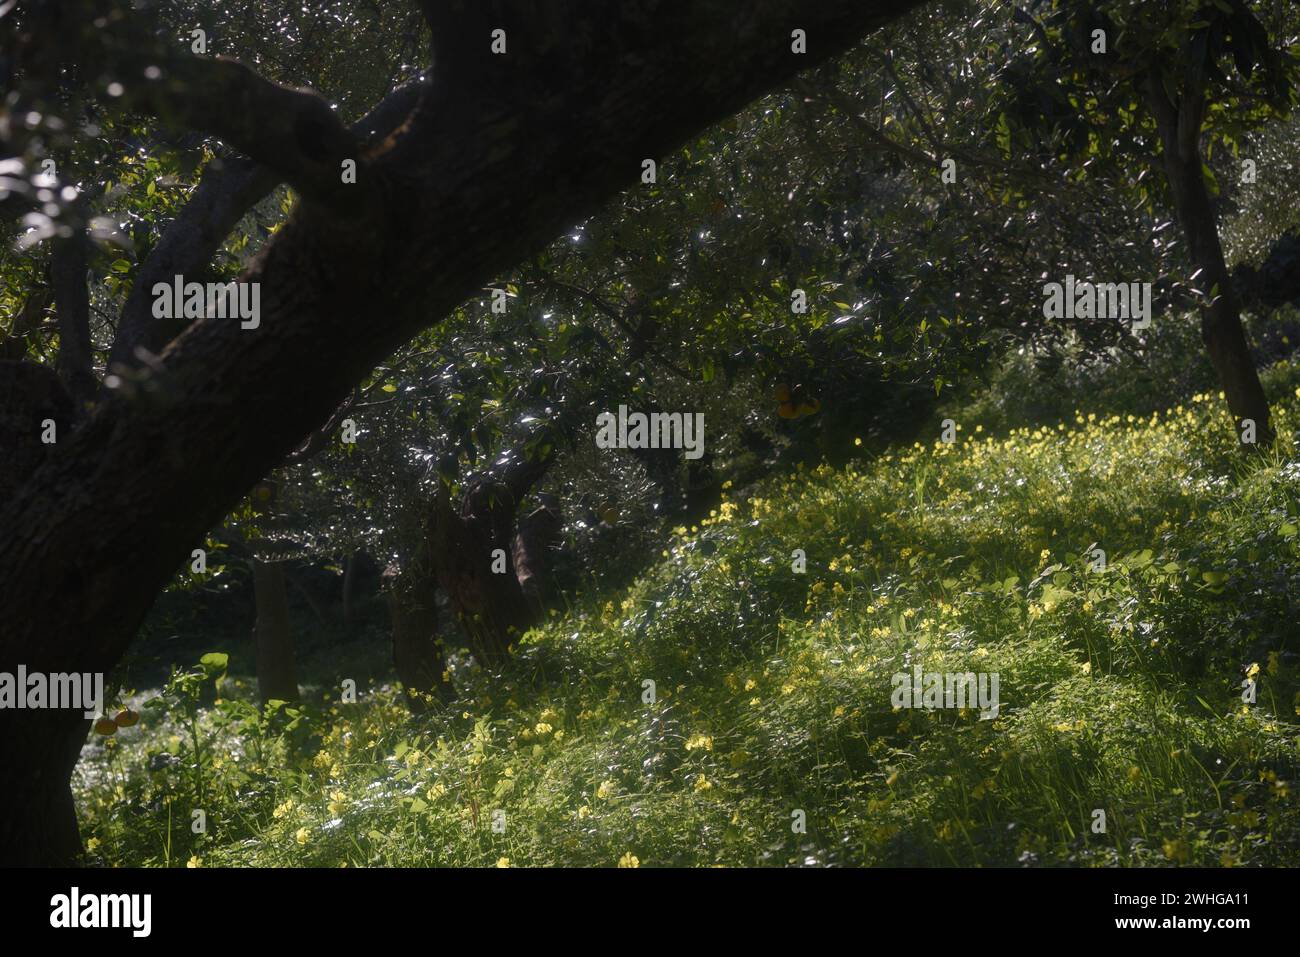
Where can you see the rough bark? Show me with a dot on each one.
(483, 176)
(229, 187)
(45, 829)
(277, 675)
(30, 394)
(490, 606)
(472, 548)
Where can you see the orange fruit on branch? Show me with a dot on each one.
(810, 407)
(105, 726)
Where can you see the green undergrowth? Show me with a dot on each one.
(727, 709)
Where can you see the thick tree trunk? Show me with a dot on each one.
(47, 743)
(38, 749)
(30, 395)
(277, 676)
(417, 656)
(472, 553)
(1221, 328)
(229, 187)
(480, 581)
(486, 172)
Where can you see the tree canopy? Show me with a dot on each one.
(473, 227)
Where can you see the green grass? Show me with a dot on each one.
(1121, 690)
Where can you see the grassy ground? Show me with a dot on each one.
(1121, 689)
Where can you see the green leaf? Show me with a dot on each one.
(1211, 182)
(214, 662)
(1003, 135)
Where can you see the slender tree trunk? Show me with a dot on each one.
(349, 581)
(277, 677)
(68, 268)
(1221, 328)
(538, 534)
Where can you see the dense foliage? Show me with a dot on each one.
(846, 279)
(1122, 688)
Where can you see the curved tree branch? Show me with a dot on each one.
(293, 132)
(464, 195)
(227, 190)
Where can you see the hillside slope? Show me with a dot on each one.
(773, 736)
